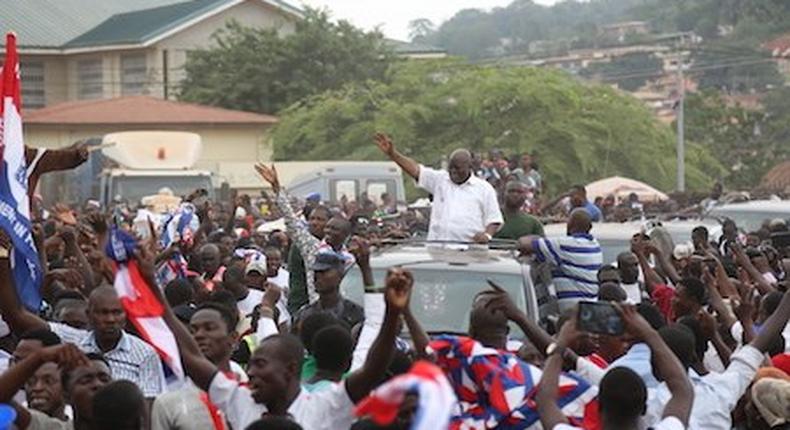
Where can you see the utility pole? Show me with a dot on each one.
(681, 149)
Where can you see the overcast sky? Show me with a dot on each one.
(393, 16)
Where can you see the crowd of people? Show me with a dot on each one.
(698, 338)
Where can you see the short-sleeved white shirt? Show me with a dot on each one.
(330, 409)
(459, 211)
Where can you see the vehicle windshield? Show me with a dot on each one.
(442, 298)
(134, 188)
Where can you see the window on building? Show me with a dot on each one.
(32, 73)
(133, 74)
(90, 83)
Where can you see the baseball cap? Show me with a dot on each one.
(327, 261)
(257, 263)
(316, 197)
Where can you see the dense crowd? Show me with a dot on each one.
(668, 337)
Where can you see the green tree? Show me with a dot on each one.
(261, 71)
(420, 29)
(747, 142)
(580, 132)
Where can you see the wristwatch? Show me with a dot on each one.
(554, 348)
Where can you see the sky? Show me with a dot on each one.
(393, 17)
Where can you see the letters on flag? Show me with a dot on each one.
(14, 202)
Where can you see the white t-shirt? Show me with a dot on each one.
(633, 292)
(329, 409)
(459, 211)
(281, 280)
(247, 304)
(668, 423)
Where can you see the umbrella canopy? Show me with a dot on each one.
(622, 187)
(778, 178)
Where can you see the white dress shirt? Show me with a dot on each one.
(715, 394)
(459, 211)
(329, 409)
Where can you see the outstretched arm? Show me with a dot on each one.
(550, 413)
(398, 290)
(773, 326)
(745, 262)
(197, 366)
(411, 167)
(664, 264)
(679, 406)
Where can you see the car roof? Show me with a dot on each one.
(679, 230)
(626, 230)
(470, 257)
(779, 206)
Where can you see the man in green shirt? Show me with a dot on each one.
(517, 223)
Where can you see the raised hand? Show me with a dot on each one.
(635, 324)
(500, 300)
(384, 143)
(569, 332)
(360, 248)
(271, 296)
(399, 283)
(481, 238)
(707, 324)
(638, 246)
(98, 222)
(66, 355)
(69, 235)
(269, 174)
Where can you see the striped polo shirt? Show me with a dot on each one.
(576, 260)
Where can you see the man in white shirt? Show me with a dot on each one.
(465, 207)
(275, 370)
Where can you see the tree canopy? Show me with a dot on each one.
(259, 70)
(747, 142)
(579, 132)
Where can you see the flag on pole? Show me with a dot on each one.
(14, 202)
(142, 307)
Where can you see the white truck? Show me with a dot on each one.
(143, 162)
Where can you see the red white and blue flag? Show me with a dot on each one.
(436, 399)
(142, 307)
(496, 389)
(14, 202)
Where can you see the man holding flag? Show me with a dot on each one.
(128, 356)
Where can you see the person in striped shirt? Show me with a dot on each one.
(575, 259)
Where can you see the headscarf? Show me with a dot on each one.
(771, 396)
